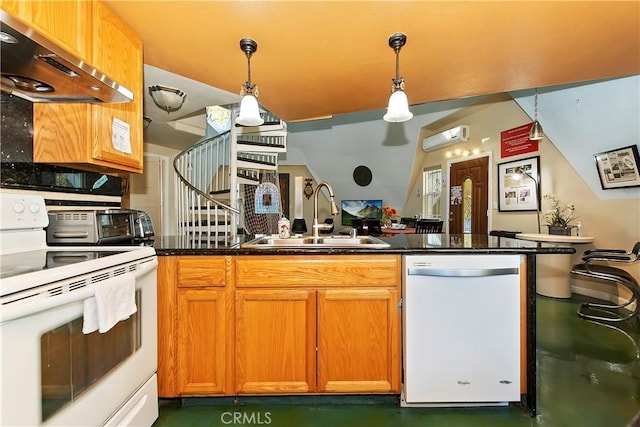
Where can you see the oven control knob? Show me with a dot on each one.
(34, 208)
(18, 207)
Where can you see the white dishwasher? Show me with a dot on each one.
(461, 330)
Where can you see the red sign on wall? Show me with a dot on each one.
(516, 141)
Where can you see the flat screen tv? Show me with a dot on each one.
(360, 209)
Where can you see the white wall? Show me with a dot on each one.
(578, 121)
(583, 120)
(333, 148)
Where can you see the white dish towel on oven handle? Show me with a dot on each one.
(114, 300)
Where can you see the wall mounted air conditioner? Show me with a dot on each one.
(448, 137)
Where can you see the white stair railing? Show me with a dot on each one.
(202, 182)
(209, 176)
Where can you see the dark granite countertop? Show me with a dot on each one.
(400, 244)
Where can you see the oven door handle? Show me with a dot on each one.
(38, 302)
(70, 234)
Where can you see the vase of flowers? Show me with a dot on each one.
(388, 213)
(559, 217)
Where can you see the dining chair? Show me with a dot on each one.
(329, 230)
(358, 225)
(597, 266)
(424, 226)
(410, 222)
(374, 226)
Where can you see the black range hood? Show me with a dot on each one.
(35, 69)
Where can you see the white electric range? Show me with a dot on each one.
(51, 373)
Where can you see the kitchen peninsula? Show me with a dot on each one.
(237, 321)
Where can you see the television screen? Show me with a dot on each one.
(360, 209)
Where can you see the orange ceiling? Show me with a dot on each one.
(319, 58)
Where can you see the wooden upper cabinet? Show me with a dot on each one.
(80, 135)
(63, 22)
(117, 52)
(14, 7)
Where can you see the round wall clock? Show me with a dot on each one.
(362, 175)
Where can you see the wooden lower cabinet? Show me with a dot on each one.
(356, 350)
(318, 324)
(227, 326)
(275, 341)
(202, 342)
(358, 341)
(195, 326)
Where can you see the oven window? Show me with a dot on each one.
(71, 362)
(115, 225)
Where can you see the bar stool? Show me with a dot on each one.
(594, 267)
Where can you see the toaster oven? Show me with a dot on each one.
(142, 226)
(98, 227)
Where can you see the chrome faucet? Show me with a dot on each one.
(334, 208)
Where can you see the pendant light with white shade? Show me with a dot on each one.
(398, 109)
(249, 109)
(535, 134)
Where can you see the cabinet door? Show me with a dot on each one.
(275, 341)
(15, 8)
(65, 23)
(202, 342)
(117, 52)
(358, 341)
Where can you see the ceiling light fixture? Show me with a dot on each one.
(167, 98)
(535, 134)
(249, 110)
(398, 109)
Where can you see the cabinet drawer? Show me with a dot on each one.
(317, 270)
(202, 271)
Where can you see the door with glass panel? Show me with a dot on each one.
(469, 196)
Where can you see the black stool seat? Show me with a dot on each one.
(604, 270)
(594, 268)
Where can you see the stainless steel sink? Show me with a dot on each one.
(271, 242)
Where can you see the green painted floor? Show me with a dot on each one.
(588, 376)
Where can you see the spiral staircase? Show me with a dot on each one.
(212, 175)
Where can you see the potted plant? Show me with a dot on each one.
(559, 217)
(388, 213)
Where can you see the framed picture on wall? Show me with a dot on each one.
(618, 168)
(519, 185)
